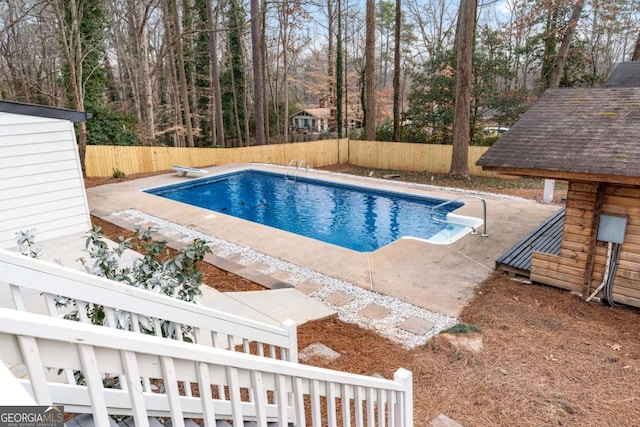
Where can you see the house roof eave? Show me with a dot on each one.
(564, 175)
(43, 111)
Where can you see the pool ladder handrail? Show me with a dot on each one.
(473, 229)
(298, 165)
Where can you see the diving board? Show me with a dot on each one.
(184, 170)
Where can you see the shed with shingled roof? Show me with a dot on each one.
(590, 138)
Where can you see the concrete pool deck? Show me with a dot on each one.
(439, 278)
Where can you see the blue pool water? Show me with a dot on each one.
(349, 216)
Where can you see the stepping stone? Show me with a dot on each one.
(235, 258)
(417, 325)
(443, 421)
(375, 312)
(283, 276)
(339, 298)
(258, 267)
(318, 350)
(308, 286)
(216, 251)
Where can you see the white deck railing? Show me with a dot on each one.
(231, 386)
(34, 284)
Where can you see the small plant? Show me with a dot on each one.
(117, 173)
(26, 243)
(461, 328)
(177, 276)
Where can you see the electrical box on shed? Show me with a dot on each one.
(612, 228)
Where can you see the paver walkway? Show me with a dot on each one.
(394, 319)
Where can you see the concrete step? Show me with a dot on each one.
(283, 304)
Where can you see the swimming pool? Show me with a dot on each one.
(350, 216)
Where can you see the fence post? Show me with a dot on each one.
(405, 378)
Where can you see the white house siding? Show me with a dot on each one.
(41, 185)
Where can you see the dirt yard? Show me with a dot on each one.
(547, 358)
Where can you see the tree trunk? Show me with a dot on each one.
(464, 71)
(284, 29)
(71, 43)
(563, 51)
(339, 72)
(285, 78)
(245, 105)
(147, 110)
(216, 92)
(178, 123)
(234, 93)
(396, 72)
(550, 49)
(370, 70)
(258, 71)
(263, 50)
(636, 50)
(331, 14)
(182, 75)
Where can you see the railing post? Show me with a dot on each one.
(292, 332)
(405, 378)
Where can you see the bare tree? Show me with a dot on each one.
(72, 50)
(561, 57)
(396, 71)
(434, 21)
(216, 94)
(464, 77)
(258, 71)
(370, 72)
(332, 15)
(636, 50)
(184, 89)
(139, 17)
(284, 12)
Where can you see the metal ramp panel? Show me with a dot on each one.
(546, 238)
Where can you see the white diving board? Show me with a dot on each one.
(183, 170)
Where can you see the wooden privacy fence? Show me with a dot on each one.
(104, 160)
(410, 157)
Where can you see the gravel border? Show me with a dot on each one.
(388, 327)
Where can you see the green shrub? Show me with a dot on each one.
(117, 173)
(461, 328)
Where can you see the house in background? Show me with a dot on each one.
(590, 138)
(41, 184)
(312, 120)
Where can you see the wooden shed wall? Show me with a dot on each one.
(567, 270)
(41, 185)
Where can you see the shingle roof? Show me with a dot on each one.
(626, 74)
(594, 131)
